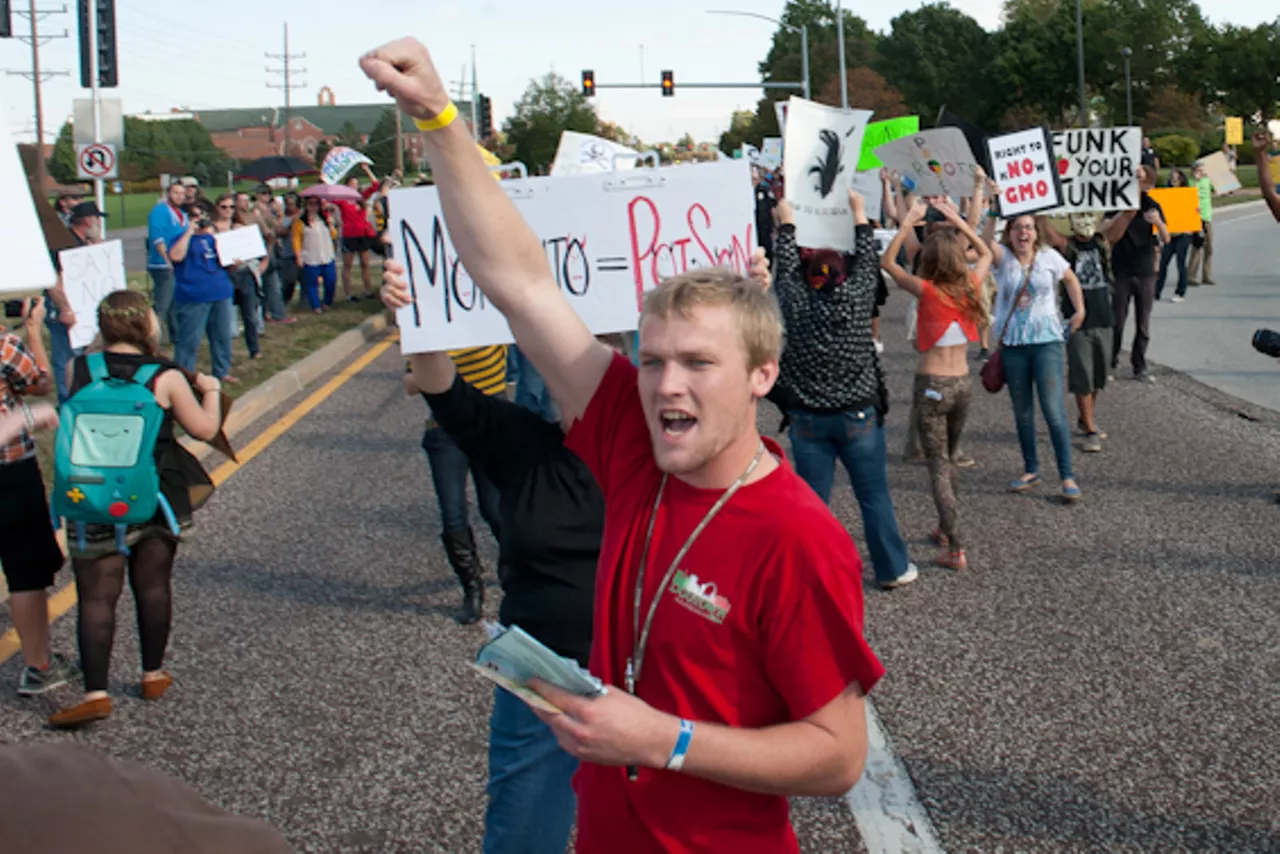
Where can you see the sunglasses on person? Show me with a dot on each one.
(226, 206)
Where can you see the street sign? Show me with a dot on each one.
(96, 161)
(112, 122)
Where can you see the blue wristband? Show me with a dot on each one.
(681, 750)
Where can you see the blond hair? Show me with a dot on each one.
(755, 313)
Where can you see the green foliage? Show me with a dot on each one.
(548, 107)
(1176, 149)
(739, 132)
(381, 148)
(62, 165)
(350, 136)
(322, 151)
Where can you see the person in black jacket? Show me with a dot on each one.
(552, 520)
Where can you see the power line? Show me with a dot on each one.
(286, 81)
(37, 77)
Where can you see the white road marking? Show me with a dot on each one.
(1236, 219)
(885, 804)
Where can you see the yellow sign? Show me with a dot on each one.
(1235, 130)
(1181, 206)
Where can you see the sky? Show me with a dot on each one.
(216, 59)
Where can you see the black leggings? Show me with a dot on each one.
(99, 582)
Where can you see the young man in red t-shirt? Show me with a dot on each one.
(738, 674)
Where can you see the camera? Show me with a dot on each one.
(15, 308)
(1267, 342)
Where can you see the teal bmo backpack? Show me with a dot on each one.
(104, 468)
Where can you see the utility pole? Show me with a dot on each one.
(36, 76)
(475, 96)
(286, 81)
(844, 75)
(399, 141)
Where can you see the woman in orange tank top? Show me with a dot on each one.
(949, 313)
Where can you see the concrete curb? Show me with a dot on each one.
(264, 398)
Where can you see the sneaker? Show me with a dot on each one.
(1145, 377)
(1085, 431)
(906, 578)
(1092, 443)
(59, 672)
(961, 460)
(1178, 299)
(1208, 282)
(879, 346)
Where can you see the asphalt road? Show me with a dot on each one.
(1102, 678)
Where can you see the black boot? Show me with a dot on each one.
(460, 547)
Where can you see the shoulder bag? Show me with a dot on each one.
(993, 370)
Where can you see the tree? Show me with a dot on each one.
(937, 56)
(549, 107)
(62, 165)
(381, 148)
(868, 91)
(1170, 107)
(1248, 69)
(350, 136)
(739, 132)
(322, 151)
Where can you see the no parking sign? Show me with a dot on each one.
(96, 160)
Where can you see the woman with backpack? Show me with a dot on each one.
(950, 310)
(102, 557)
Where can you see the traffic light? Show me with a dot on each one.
(484, 117)
(588, 84)
(108, 73)
(668, 84)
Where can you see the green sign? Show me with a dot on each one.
(878, 133)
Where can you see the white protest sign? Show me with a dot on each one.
(938, 162)
(240, 244)
(582, 153)
(751, 154)
(868, 185)
(89, 273)
(771, 153)
(27, 266)
(607, 238)
(1218, 170)
(1098, 168)
(1024, 168)
(820, 157)
(340, 161)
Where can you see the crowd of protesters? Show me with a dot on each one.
(605, 490)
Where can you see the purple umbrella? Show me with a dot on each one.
(332, 193)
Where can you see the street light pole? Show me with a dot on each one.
(1084, 107)
(802, 30)
(844, 77)
(1128, 85)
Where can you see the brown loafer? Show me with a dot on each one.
(83, 713)
(153, 689)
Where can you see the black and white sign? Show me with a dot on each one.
(1098, 168)
(820, 158)
(96, 160)
(1024, 168)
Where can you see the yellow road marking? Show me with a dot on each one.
(61, 601)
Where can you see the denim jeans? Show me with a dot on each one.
(250, 316)
(162, 302)
(449, 466)
(856, 437)
(60, 355)
(531, 389)
(1038, 368)
(274, 291)
(531, 800)
(199, 319)
(1176, 248)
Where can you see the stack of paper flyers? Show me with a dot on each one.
(513, 657)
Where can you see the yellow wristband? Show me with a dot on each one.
(441, 121)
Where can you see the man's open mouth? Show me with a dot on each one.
(676, 422)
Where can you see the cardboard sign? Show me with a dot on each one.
(771, 153)
(26, 258)
(340, 161)
(878, 133)
(1218, 170)
(582, 153)
(1098, 168)
(1026, 172)
(820, 159)
(89, 273)
(239, 244)
(938, 162)
(607, 238)
(1234, 130)
(1181, 206)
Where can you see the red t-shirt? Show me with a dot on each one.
(761, 625)
(355, 216)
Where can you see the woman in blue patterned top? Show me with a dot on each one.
(1027, 274)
